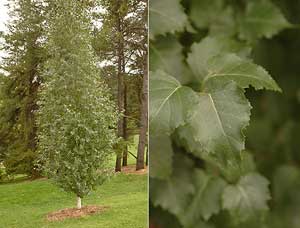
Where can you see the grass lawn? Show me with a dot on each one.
(26, 204)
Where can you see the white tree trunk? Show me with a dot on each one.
(78, 202)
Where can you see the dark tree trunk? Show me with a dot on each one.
(147, 156)
(118, 166)
(125, 152)
(125, 156)
(140, 164)
(30, 128)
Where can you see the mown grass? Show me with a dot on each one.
(26, 204)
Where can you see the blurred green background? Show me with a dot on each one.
(273, 137)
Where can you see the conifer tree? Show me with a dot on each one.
(122, 43)
(25, 56)
(77, 117)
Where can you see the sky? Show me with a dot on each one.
(3, 19)
(3, 14)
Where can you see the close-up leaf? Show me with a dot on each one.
(166, 17)
(173, 194)
(213, 14)
(161, 157)
(248, 198)
(210, 47)
(170, 103)
(230, 67)
(262, 19)
(206, 201)
(166, 55)
(218, 120)
(213, 102)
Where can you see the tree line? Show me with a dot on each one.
(60, 57)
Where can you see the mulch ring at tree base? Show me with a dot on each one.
(75, 213)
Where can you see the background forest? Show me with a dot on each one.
(119, 41)
(270, 29)
(73, 107)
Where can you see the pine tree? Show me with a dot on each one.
(76, 118)
(122, 43)
(139, 27)
(113, 29)
(24, 46)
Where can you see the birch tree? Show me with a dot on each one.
(76, 117)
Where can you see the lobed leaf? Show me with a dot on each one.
(248, 198)
(206, 201)
(214, 15)
(218, 120)
(262, 19)
(169, 103)
(166, 55)
(231, 67)
(161, 156)
(210, 47)
(166, 16)
(173, 194)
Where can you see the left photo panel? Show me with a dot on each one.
(74, 113)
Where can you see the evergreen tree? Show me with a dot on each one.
(141, 64)
(76, 116)
(113, 18)
(121, 43)
(2, 141)
(25, 56)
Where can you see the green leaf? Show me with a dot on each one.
(218, 120)
(244, 165)
(231, 67)
(166, 17)
(169, 103)
(203, 13)
(161, 156)
(166, 55)
(173, 194)
(206, 200)
(210, 47)
(248, 198)
(262, 19)
(213, 14)
(247, 163)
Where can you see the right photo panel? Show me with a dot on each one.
(224, 115)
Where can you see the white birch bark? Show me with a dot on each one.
(78, 202)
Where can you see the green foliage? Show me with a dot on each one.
(166, 17)
(122, 36)
(18, 89)
(168, 109)
(173, 193)
(166, 54)
(206, 200)
(76, 118)
(199, 111)
(273, 135)
(215, 15)
(3, 174)
(261, 19)
(247, 199)
(161, 156)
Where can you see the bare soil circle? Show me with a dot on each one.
(75, 213)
